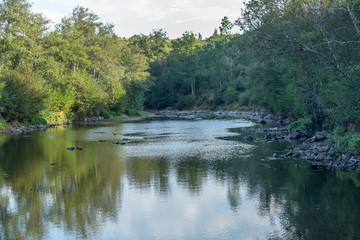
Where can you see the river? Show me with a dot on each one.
(171, 180)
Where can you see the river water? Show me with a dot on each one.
(171, 180)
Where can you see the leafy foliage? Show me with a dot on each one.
(2, 124)
(302, 125)
(346, 141)
(35, 120)
(80, 68)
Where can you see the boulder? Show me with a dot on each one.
(320, 136)
(295, 135)
(268, 137)
(289, 154)
(262, 122)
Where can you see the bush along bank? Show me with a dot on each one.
(30, 124)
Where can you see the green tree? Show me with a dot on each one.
(22, 54)
(320, 39)
(226, 26)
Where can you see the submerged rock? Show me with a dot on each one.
(74, 148)
(317, 167)
(240, 138)
(263, 122)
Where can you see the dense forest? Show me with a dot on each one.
(293, 57)
(78, 69)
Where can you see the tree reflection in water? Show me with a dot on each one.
(85, 190)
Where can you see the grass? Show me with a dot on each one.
(3, 125)
(302, 125)
(349, 142)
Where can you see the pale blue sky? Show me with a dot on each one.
(141, 16)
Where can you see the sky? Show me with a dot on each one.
(132, 17)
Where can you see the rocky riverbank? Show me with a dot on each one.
(316, 148)
(101, 120)
(24, 128)
(257, 116)
(19, 129)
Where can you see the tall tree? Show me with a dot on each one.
(22, 55)
(185, 49)
(226, 26)
(309, 32)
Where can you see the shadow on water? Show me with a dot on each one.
(180, 182)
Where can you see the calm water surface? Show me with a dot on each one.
(172, 180)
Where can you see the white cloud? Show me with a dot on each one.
(144, 9)
(54, 16)
(141, 16)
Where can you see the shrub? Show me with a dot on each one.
(55, 117)
(35, 119)
(23, 94)
(106, 114)
(229, 95)
(302, 125)
(339, 131)
(116, 113)
(349, 142)
(2, 123)
(244, 99)
(185, 102)
(131, 112)
(354, 143)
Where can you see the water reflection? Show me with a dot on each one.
(176, 180)
(76, 194)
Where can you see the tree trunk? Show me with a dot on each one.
(193, 86)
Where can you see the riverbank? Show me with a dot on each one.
(24, 128)
(101, 120)
(257, 116)
(317, 148)
(314, 147)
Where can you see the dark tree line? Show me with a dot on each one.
(296, 58)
